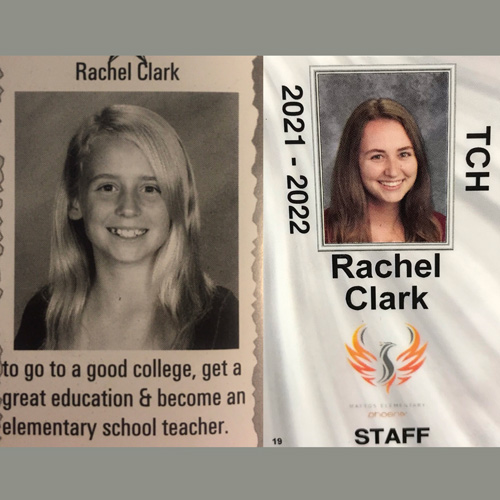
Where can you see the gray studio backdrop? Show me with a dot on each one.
(424, 94)
(45, 122)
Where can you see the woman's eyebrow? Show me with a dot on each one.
(374, 150)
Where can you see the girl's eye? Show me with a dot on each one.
(376, 157)
(152, 189)
(405, 154)
(107, 188)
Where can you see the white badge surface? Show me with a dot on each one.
(381, 274)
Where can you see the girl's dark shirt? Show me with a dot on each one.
(217, 329)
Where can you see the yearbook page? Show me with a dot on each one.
(130, 252)
(381, 240)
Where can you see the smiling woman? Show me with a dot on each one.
(380, 189)
(125, 268)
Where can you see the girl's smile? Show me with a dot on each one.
(120, 202)
(127, 233)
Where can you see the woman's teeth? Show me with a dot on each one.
(127, 233)
(390, 183)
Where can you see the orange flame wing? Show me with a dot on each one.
(360, 357)
(412, 357)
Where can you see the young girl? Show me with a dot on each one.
(381, 189)
(125, 270)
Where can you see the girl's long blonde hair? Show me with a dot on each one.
(184, 290)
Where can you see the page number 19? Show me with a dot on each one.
(277, 441)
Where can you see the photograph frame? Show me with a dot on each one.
(41, 156)
(371, 71)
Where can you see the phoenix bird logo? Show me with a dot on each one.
(391, 363)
